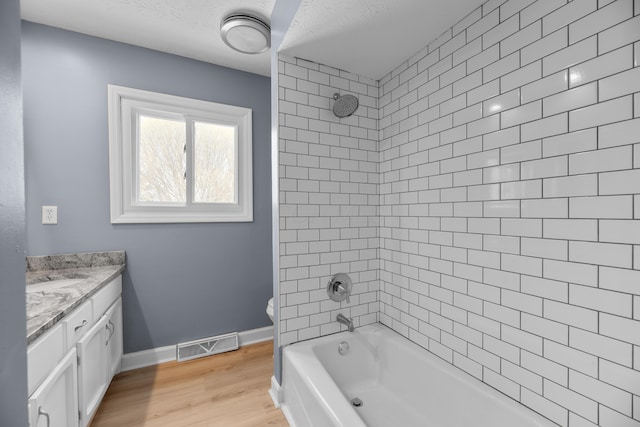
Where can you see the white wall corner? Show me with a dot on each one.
(155, 356)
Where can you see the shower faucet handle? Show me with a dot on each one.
(339, 288)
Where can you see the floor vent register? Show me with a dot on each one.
(206, 347)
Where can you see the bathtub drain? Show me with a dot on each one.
(343, 348)
(357, 402)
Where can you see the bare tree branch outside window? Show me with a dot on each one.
(162, 160)
(214, 163)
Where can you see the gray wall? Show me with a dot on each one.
(183, 281)
(13, 340)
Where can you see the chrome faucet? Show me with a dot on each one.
(339, 288)
(345, 321)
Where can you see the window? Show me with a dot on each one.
(174, 159)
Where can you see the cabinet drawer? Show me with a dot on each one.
(106, 296)
(78, 323)
(43, 355)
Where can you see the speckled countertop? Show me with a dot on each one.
(57, 284)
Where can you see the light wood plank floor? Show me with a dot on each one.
(228, 389)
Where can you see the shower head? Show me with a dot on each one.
(345, 105)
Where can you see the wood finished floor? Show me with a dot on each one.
(229, 389)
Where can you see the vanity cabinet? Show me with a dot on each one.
(70, 367)
(55, 402)
(93, 360)
(114, 340)
(99, 359)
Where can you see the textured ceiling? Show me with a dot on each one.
(188, 28)
(369, 37)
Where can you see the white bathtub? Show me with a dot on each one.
(399, 383)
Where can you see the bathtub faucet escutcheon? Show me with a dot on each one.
(339, 288)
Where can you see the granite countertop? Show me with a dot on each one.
(57, 284)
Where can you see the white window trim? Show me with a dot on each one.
(121, 101)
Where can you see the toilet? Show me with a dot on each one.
(270, 309)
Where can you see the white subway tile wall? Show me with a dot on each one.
(486, 200)
(549, 302)
(329, 197)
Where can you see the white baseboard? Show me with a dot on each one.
(275, 392)
(254, 336)
(155, 356)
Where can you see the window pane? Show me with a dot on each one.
(214, 163)
(161, 160)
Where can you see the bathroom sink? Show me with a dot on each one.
(52, 285)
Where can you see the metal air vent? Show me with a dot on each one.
(206, 347)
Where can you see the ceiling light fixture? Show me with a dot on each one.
(246, 33)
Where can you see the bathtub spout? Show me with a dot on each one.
(345, 321)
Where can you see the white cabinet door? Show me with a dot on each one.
(44, 355)
(93, 366)
(114, 337)
(55, 402)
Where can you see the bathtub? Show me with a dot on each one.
(398, 383)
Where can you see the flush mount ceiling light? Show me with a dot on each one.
(246, 33)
